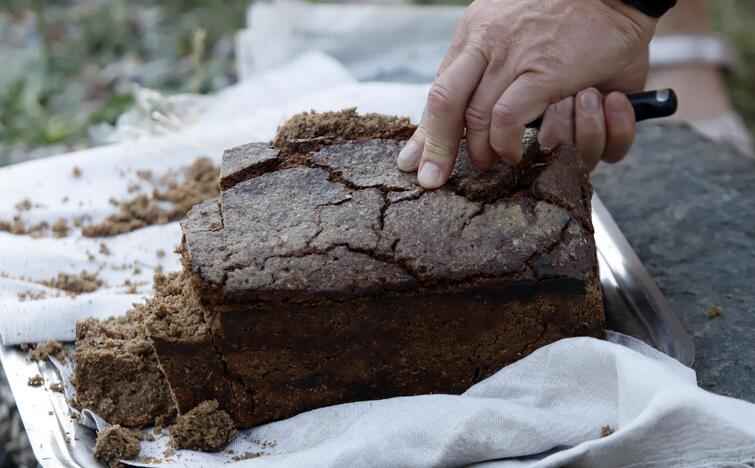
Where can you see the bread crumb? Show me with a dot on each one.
(24, 296)
(130, 286)
(606, 431)
(715, 311)
(104, 249)
(74, 285)
(246, 456)
(206, 428)
(60, 228)
(160, 253)
(76, 173)
(24, 205)
(18, 227)
(56, 387)
(43, 350)
(35, 381)
(115, 443)
(198, 183)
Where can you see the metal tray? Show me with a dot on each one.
(634, 306)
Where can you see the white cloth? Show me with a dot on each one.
(547, 410)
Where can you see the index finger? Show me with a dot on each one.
(442, 124)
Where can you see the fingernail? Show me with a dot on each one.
(429, 175)
(589, 101)
(564, 108)
(408, 157)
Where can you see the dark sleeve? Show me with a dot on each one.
(654, 8)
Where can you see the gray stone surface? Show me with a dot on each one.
(687, 206)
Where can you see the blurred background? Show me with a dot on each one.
(70, 68)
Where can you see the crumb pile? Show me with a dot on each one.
(116, 443)
(46, 349)
(84, 282)
(19, 228)
(206, 428)
(199, 183)
(308, 131)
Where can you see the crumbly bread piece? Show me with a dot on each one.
(116, 443)
(206, 428)
(116, 371)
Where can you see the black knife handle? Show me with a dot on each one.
(647, 105)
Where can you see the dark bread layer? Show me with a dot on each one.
(283, 361)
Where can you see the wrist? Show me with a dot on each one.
(631, 20)
(652, 8)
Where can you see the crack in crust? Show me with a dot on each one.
(374, 235)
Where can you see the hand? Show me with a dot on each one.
(509, 60)
(602, 127)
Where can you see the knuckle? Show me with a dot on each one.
(476, 119)
(478, 48)
(437, 150)
(439, 99)
(503, 114)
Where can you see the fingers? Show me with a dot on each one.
(590, 125)
(620, 127)
(522, 102)
(605, 131)
(558, 123)
(433, 148)
(478, 117)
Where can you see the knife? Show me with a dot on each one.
(647, 105)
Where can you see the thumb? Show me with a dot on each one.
(523, 101)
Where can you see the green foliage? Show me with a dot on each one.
(735, 20)
(86, 54)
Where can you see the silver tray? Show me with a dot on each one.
(634, 306)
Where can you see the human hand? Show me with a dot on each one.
(603, 128)
(509, 60)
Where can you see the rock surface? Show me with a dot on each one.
(686, 205)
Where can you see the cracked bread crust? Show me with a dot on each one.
(328, 276)
(347, 223)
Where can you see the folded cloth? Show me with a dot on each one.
(576, 402)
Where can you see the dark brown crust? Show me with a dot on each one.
(349, 213)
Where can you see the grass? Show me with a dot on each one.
(76, 62)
